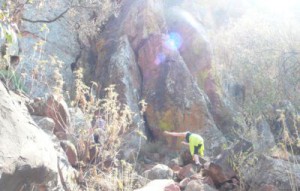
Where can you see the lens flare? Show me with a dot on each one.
(173, 41)
(160, 58)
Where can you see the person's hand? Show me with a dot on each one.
(184, 143)
(166, 132)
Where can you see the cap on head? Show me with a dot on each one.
(187, 136)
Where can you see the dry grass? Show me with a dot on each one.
(102, 167)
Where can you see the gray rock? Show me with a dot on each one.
(265, 138)
(60, 45)
(176, 161)
(278, 173)
(159, 171)
(46, 123)
(28, 156)
(157, 185)
(25, 149)
(195, 185)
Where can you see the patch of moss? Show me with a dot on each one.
(202, 76)
(165, 126)
(198, 46)
(165, 122)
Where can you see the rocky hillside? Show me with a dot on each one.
(60, 58)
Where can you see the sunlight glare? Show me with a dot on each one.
(173, 41)
(278, 6)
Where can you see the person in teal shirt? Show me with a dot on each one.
(195, 142)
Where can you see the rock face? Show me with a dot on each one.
(53, 34)
(273, 173)
(25, 149)
(148, 62)
(154, 50)
(47, 37)
(28, 157)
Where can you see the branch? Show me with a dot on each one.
(47, 21)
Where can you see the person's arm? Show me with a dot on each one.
(175, 134)
(184, 143)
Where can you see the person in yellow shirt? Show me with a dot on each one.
(195, 142)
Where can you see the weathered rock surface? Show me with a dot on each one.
(159, 172)
(144, 64)
(25, 150)
(195, 185)
(221, 169)
(46, 123)
(70, 151)
(47, 36)
(28, 156)
(27, 153)
(273, 173)
(55, 108)
(187, 171)
(160, 185)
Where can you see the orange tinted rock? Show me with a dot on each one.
(70, 151)
(186, 171)
(176, 168)
(150, 69)
(57, 109)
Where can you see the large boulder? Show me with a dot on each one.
(187, 171)
(159, 172)
(221, 169)
(196, 185)
(186, 21)
(160, 185)
(143, 63)
(28, 156)
(272, 173)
